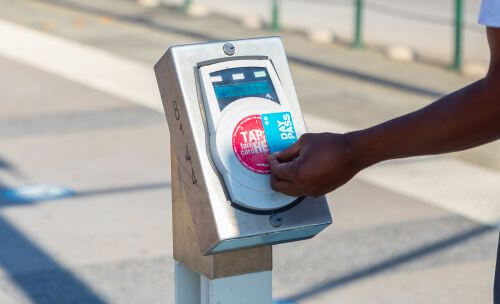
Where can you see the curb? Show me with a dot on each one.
(320, 36)
(400, 53)
(252, 22)
(198, 11)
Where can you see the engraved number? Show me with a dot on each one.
(188, 155)
(193, 177)
(176, 110)
(189, 159)
(177, 115)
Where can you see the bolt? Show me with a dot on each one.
(229, 49)
(276, 220)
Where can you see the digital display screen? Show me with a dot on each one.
(236, 83)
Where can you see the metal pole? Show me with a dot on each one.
(459, 12)
(358, 24)
(185, 5)
(275, 15)
(250, 288)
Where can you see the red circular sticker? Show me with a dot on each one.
(250, 145)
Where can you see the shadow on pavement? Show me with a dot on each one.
(332, 69)
(9, 168)
(5, 201)
(52, 283)
(38, 275)
(19, 256)
(119, 190)
(5, 165)
(385, 265)
(364, 77)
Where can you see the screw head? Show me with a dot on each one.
(229, 49)
(276, 220)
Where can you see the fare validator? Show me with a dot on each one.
(228, 105)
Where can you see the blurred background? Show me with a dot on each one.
(85, 213)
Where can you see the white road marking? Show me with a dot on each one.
(463, 188)
(469, 190)
(95, 68)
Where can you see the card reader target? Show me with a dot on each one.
(256, 136)
(250, 145)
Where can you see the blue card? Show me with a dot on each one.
(279, 130)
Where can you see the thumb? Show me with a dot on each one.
(289, 153)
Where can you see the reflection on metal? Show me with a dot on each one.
(35, 193)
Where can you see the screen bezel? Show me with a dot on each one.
(210, 103)
(250, 78)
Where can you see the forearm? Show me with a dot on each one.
(463, 119)
(319, 163)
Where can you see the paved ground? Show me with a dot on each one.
(331, 80)
(110, 242)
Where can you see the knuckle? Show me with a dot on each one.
(305, 137)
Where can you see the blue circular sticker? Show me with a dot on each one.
(36, 192)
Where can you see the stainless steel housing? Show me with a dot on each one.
(219, 225)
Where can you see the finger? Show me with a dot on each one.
(284, 187)
(289, 153)
(271, 159)
(284, 171)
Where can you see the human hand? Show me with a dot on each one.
(316, 164)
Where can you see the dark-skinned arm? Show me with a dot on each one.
(319, 163)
